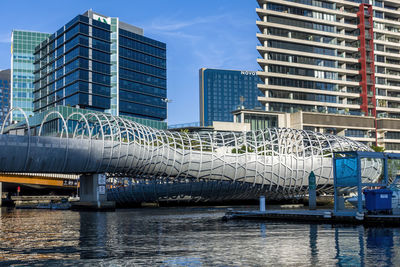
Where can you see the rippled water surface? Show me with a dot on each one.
(185, 237)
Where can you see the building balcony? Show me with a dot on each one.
(306, 102)
(262, 37)
(307, 78)
(262, 49)
(264, 62)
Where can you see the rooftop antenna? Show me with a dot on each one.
(241, 102)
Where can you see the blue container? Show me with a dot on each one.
(378, 199)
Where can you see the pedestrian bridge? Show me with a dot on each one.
(275, 161)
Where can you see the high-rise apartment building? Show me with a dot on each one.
(23, 45)
(329, 59)
(223, 91)
(5, 77)
(100, 63)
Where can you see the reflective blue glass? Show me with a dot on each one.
(224, 91)
(72, 100)
(101, 67)
(135, 108)
(139, 87)
(73, 75)
(80, 39)
(101, 78)
(144, 68)
(134, 76)
(99, 89)
(100, 33)
(140, 98)
(101, 56)
(129, 43)
(140, 57)
(102, 45)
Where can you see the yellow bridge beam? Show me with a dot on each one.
(39, 180)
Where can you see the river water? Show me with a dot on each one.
(188, 236)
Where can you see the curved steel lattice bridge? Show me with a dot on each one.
(166, 164)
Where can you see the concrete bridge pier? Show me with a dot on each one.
(1, 192)
(93, 194)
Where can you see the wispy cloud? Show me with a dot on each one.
(223, 40)
(172, 24)
(5, 37)
(211, 41)
(179, 34)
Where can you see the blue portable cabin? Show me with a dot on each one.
(347, 173)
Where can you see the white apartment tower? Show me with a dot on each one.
(336, 63)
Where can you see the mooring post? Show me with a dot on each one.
(312, 194)
(262, 203)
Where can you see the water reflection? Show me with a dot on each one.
(30, 236)
(263, 230)
(185, 237)
(380, 242)
(93, 235)
(313, 244)
(349, 245)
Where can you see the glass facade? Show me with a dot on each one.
(223, 91)
(99, 63)
(261, 121)
(23, 45)
(72, 67)
(5, 77)
(142, 76)
(55, 124)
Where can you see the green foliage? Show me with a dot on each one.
(243, 149)
(378, 148)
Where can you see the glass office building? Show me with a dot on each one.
(142, 76)
(5, 77)
(223, 91)
(100, 63)
(72, 67)
(23, 45)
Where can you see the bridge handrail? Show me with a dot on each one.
(29, 130)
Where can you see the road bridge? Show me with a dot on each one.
(40, 179)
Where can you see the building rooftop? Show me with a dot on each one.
(122, 25)
(5, 74)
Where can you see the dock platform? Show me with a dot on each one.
(315, 216)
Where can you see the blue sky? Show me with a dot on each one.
(207, 33)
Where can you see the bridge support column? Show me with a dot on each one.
(1, 192)
(93, 194)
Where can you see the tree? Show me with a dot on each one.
(378, 148)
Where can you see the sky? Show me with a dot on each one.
(199, 34)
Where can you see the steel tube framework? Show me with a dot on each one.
(212, 165)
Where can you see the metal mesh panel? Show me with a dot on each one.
(275, 162)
